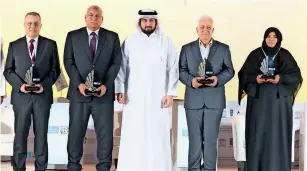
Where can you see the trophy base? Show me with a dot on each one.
(32, 88)
(205, 81)
(266, 77)
(92, 93)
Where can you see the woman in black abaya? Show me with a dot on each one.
(269, 104)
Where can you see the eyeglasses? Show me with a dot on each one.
(35, 24)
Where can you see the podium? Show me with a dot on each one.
(58, 136)
(179, 131)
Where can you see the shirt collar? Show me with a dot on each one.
(35, 39)
(90, 31)
(201, 44)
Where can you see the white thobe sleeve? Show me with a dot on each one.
(172, 69)
(121, 76)
(2, 79)
(2, 82)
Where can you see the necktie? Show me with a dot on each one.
(31, 47)
(93, 44)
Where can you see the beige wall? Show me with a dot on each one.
(239, 23)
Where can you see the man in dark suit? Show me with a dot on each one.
(42, 52)
(204, 104)
(86, 49)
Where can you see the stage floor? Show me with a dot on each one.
(6, 166)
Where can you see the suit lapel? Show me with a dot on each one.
(213, 49)
(196, 52)
(40, 48)
(25, 49)
(84, 40)
(101, 40)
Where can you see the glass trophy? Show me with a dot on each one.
(268, 69)
(92, 84)
(205, 72)
(32, 79)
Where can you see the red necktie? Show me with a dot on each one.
(31, 47)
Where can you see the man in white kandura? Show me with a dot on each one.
(2, 79)
(146, 84)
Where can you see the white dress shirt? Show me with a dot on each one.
(204, 50)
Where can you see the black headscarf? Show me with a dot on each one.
(268, 50)
(286, 66)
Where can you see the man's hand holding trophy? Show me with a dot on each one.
(92, 87)
(32, 81)
(206, 77)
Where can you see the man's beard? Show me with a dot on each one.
(148, 32)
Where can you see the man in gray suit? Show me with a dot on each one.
(204, 103)
(41, 52)
(87, 49)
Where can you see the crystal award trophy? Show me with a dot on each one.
(205, 72)
(32, 79)
(268, 67)
(92, 84)
(267, 70)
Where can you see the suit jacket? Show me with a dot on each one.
(220, 59)
(79, 63)
(46, 63)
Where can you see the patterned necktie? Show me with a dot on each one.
(93, 44)
(31, 47)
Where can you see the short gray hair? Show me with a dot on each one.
(205, 17)
(34, 14)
